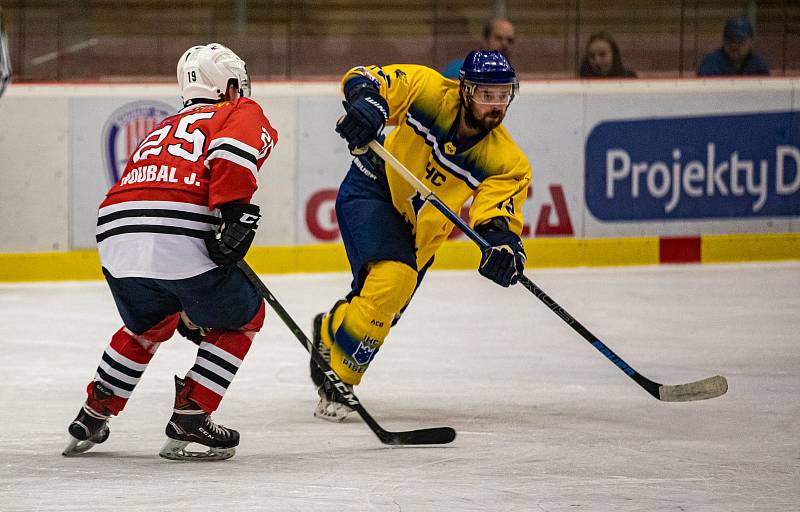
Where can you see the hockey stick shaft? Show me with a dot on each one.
(699, 390)
(437, 435)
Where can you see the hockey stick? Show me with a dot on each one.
(438, 435)
(710, 387)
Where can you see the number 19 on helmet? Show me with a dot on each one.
(204, 72)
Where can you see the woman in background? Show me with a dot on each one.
(602, 59)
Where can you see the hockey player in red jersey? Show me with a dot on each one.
(169, 233)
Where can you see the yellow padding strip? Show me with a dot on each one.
(542, 252)
(752, 247)
(560, 252)
(50, 266)
(298, 258)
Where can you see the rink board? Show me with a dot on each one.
(624, 172)
(542, 253)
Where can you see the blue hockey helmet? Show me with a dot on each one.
(487, 67)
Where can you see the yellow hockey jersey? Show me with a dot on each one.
(490, 168)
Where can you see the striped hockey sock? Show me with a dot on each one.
(122, 365)
(218, 359)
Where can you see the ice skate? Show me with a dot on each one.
(190, 424)
(328, 407)
(90, 426)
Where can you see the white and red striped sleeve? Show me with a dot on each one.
(237, 151)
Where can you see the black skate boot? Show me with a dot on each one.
(317, 377)
(90, 426)
(190, 424)
(330, 407)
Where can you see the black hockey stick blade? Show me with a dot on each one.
(436, 435)
(711, 387)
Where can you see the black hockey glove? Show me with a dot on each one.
(366, 116)
(190, 331)
(504, 261)
(230, 242)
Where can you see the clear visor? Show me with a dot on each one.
(492, 94)
(244, 82)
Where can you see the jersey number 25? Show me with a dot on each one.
(152, 144)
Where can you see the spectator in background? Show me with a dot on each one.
(603, 59)
(736, 56)
(498, 34)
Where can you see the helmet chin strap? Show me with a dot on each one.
(209, 101)
(468, 118)
(197, 101)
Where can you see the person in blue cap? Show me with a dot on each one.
(736, 56)
(498, 34)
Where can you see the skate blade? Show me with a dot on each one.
(332, 411)
(176, 450)
(76, 447)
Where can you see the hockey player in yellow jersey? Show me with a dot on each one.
(449, 135)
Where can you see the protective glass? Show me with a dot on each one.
(244, 83)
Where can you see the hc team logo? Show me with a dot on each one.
(726, 166)
(366, 350)
(125, 128)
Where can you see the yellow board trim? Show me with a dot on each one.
(542, 252)
(50, 266)
(560, 252)
(760, 247)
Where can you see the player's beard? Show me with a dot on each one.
(487, 122)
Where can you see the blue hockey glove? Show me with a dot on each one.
(366, 116)
(504, 261)
(230, 242)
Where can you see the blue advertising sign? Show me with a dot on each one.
(745, 165)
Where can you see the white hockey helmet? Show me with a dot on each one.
(204, 72)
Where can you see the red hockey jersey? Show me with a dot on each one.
(153, 220)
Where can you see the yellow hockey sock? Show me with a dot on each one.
(331, 322)
(361, 326)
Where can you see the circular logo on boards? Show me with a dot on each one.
(125, 128)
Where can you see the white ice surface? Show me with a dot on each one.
(544, 421)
